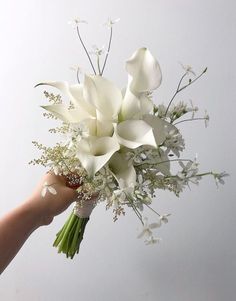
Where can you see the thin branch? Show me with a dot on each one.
(161, 162)
(108, 50)
(151, 209)
(77, 75)
(91, 63)
(190, 119)
(176, 92)
(184, 87)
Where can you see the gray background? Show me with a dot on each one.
(196, 259)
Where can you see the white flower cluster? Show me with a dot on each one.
(121, 143)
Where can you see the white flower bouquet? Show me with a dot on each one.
(118, 144)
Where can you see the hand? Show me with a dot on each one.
(50, 205)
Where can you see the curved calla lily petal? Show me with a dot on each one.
(146, 104)
(103, 94)
(94, 152)
(121, 170)
(62, 112)
(134, 107)
(160, 127)
(144, 70)
(74, 94)
(130, 108)
(77, 93)
(104, 128)
(134, 133)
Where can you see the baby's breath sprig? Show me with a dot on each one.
(52, 98)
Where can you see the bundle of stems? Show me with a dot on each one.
(69, 238)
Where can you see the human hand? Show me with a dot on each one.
(45, 208)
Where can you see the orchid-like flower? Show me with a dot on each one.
(76, 21)
(147, 228)
(97, 51)
(109, 23)
(188, 69)
(48, 188)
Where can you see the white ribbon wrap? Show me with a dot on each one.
(85, 208)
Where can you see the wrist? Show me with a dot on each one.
(35, 212)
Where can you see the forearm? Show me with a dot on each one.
(15, 228)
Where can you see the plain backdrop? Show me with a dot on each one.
(196, 258)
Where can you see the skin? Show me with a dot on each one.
(18, 224)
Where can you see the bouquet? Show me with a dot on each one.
(118, 144)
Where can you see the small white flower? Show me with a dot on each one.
(161, 110)
(109, 23)
(188, 69)
(49, 188)
(219, 178)
(193, 109)
(164, 218)
(174, 142)
(152, 240)
(98, 51)
(75, 22)
(146, 231)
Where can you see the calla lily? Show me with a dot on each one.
(134, 133)
(134, 107)
(94, 152)
(122, 171)
(160, 127)
(144, 70)
(144, 76)
(74, 94)
(103, 95)
(63, 112)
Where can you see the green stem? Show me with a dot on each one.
(65, 236)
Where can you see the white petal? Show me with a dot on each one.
(130, 108)
(163, 163)
(134, 107)
(141, 234)
(74, 94)
(144, 71)
(52, 190)
(134, 133)
(62, 112)
(154, 225)
(95, 152)
(122, 171)
(43, 192)
(77, 93)
(160, 127)
(103, 94)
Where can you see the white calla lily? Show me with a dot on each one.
(103, 95)
(94, 152)
(134, 107)
(63, 112)
(160, 127)
(144, 71)
(74, 94)
(134, 133)
(124, 173)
